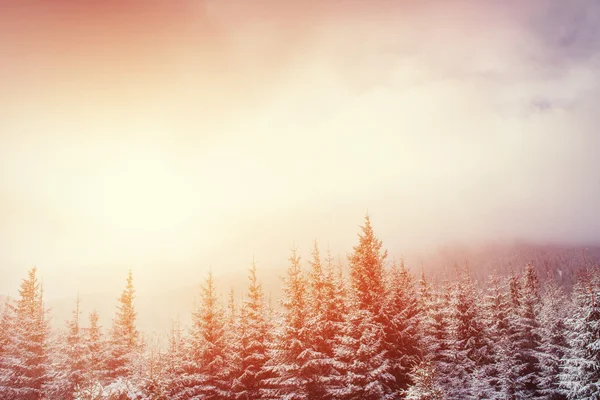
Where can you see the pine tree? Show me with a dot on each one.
(326, 323)
(75, 351)
(69, 370)
(325, 313)
(7, 346)
(581, 372)
(254, 343)
(469, 345)
(435, 331)
(509, 362)
(317, 326)
(401, 325)
(292, 364)
(232, 338)
(174, 358)
(97, 352)
(25, 359)
(209, 322)
(496, 381)
(527, 339)
(205, 369)
(554, 345)
(367, 270)
(124, 341)
(361, 359)
(242, 349)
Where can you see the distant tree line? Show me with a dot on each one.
(376, 333)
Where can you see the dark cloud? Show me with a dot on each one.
(569, 31)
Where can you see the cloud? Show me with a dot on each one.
(449, 121)
(569, 31)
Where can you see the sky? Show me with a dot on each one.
(177, 136)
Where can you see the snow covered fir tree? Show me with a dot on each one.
(364, 329)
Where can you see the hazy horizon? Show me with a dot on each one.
(177, 137)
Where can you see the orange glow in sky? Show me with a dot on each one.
(174, 136)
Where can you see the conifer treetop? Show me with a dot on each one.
(367, 268)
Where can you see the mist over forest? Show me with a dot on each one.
(361, 328)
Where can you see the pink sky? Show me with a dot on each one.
(167, 134)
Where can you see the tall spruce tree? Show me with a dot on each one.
(325, 313)
(290, 364)
(7, 346)
(97, 351)
(124, 340)
(25, 358)
(367, 270)
(241, 349)
(496, 379)
(68, 373)
(361, 356)
(317, 325)
(469, 345)
(435, 330)
(232, 336)
(527, 339)
(205, 369)
(209, 323)
(510, 362)
(554, 345)
(580, 377)
(75, 351)
(401, 315)
(254, 343)
(174, 358)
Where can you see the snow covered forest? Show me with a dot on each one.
(375, 332)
